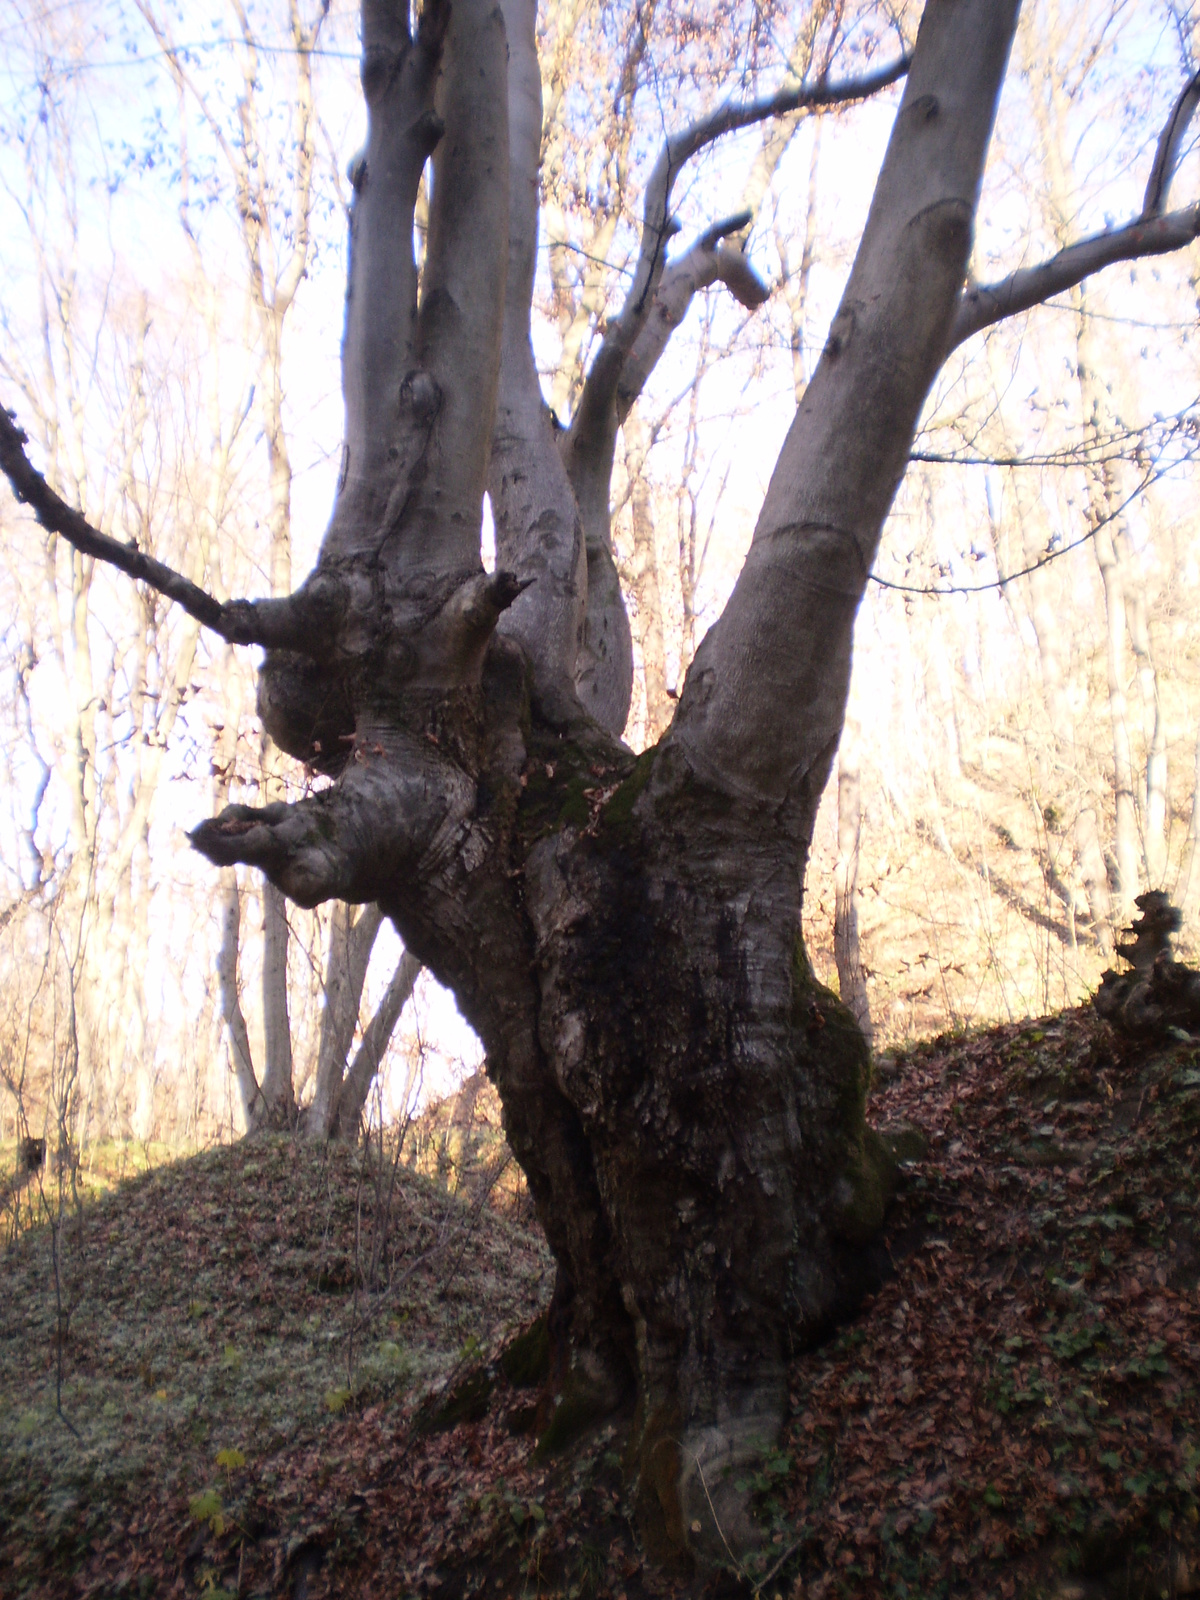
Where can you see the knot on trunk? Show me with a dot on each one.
(420, 394)
(307, 710)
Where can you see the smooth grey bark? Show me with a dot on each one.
(351, 940)
(848, 447)
(539, 533)
(847, 954)
(687, 1102)
(360, 1074)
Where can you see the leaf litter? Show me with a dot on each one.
(1015, 1411)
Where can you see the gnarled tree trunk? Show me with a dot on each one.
(625, 937)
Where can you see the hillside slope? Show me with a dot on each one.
(1016, 1411)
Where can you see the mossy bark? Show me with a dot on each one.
(721, 1093)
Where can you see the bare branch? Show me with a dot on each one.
(1154, 233)
(708, 261)
(681, 147)
(280, 624)
(605, 673)
(55, 515)
(982, 305)
(304, 43)
(1170, 142)
(658, 225)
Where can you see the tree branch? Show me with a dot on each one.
(605, 671)
(379, 1031)
(982, 305)
(658, 225)
(299, 622)
(460, 321)
(708, 261)
(1155, 233)
(385, 442)
(537, 525)
(304, 43)
(784, 638)
(351, 941)
(1170, 141)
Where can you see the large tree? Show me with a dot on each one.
(624, 935)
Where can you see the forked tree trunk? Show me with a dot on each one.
(343, 1082)
(687, 1102)
(351, 939)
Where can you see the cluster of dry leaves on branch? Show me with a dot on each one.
(1016, 1411)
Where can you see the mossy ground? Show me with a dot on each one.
(221, 1319)
(1016, 1412)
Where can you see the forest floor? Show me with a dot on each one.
(273, 1371)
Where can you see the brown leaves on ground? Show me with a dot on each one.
(1020, 1402)
(1015, 1412)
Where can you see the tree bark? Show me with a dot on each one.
(851, 981)
(253, 1105)
(351, 940)
(361, 1072)
(278, 1095)
(644, 582)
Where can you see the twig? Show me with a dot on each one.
(472, 1221)
(737, 1565)
(785, 1557)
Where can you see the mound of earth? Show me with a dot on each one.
(222, 1330)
